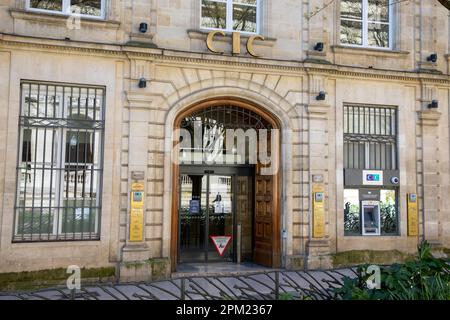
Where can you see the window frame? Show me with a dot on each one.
(229, 17)
(394, 125)
(397, 233)
(66, 10)
(365, 27)
(59, 168)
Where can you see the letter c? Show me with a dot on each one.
(210, 40)
(250, 41)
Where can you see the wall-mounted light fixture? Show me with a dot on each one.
(322, 95)
(319, 46)
(433, 105)
(142, 83)
(143, 27)
(433, 58)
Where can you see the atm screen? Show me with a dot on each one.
(371, 219)
(369, 216)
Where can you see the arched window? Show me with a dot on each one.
(210, 128)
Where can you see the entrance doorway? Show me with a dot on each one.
(225, 205)
(217, 202)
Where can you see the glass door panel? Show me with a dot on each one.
(193, 213)
(221, 220)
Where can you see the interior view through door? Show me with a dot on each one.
(216, 206)
(226, 201)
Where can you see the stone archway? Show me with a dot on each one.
(271, 218)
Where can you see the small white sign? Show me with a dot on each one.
(218, 207)
(372, 178)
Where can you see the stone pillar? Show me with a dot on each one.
(429, 190)
(318, 246)
(136, 254)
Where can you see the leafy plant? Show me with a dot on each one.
(425, 278)
(351, 219)
(388, 217)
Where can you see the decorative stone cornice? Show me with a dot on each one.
(184, 57)
(369, 51)
(429, 118)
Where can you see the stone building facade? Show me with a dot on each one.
(137, 84)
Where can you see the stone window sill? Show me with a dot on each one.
(203, 34)
(369, 51)
(61, 20)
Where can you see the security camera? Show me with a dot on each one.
(395, 180)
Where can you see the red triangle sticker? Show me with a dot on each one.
(221, 243)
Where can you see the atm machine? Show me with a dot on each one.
(370, 218)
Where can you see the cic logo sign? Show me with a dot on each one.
(236, 37)
(373, 177)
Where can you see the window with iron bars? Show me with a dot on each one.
(60, 162)
(370, 137)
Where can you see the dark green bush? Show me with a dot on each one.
(424, 278)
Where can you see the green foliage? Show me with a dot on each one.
(351, 219)
(286, 296)
(424, 278)
(388, 214)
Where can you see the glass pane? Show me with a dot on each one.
(79, 216)
(378, 35)
(55, 5)
(79, 148)
(351, 9)
(36, 182)
(88, 7)
(220, 215)
(40, 101)
(34, 221)
(214, 14)
(388, 212)
(351, 32)
(192, 217)
(351, 212)
(379, 10)
(362, 155)
(244, 18)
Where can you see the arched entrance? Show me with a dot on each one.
(226, 182)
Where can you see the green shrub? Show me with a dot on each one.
(424, 278)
